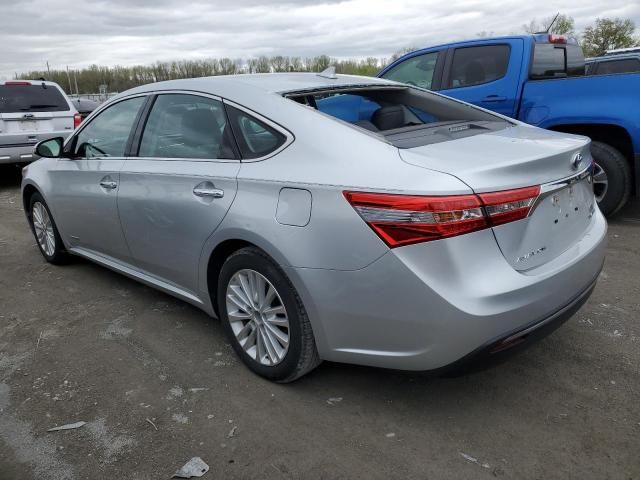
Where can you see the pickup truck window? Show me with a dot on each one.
(622, 65)
(417, 71)
(478, 65)
(550, 60)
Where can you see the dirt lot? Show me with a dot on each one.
(157, 384)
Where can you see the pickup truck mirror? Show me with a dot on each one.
(51, 148)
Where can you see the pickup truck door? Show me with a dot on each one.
(487, 75)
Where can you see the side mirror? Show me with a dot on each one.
(51, 148)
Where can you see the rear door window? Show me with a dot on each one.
(417, 71)
(478, 65)
(186, 126)
(623, 65)
(17, 97)
(551, 61)
(255, 138)
(108, 132)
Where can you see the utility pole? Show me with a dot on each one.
(48, 71)
(75, 80)
(69, 79)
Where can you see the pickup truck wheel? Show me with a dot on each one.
(611, 179)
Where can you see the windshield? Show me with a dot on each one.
(403, 116)
(31, 98)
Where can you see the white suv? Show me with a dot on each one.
(30, 111)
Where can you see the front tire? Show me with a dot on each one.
(45, 231)
(264, 317)
(611, 179)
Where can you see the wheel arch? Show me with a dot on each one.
(233, 240)
(612, 134)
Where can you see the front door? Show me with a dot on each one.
(85, 187)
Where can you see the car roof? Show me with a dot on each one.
(33, 82)
(235, 86)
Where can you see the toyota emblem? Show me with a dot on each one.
(577, 160)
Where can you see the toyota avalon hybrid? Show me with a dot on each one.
(329, 217)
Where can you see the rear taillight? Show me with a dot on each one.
(77, 120)
(403, 220)
(17, 83)
(406, 219)
(510, 205)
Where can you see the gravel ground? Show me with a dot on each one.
(157, 384)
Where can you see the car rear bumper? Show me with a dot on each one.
(12, 150)
(17, 153)
(426, 306)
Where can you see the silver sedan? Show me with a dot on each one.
(326, 217)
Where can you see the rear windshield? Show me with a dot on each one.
(403, 116)
(552, 61)
(31, 98)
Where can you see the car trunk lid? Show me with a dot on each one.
(518, 157)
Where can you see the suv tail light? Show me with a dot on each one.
(77, 120)
(14, 82)
(406, 219)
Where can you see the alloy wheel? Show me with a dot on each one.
(44, 229)
(258, 317)
(600, 182)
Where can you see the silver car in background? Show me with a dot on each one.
(325, 217)
(30, 111)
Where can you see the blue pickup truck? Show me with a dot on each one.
(540, 79)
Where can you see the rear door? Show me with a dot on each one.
(30, 112)
(486, 75)
(85, 186)
(178, 188)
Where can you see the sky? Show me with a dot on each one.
(131, 32)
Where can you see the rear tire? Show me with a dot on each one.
(45, 231)
(612, 167)
(288, 347)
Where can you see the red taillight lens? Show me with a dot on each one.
(77, 120)
(510, 205)
(17, 83)
(406, 219)
(403, 219)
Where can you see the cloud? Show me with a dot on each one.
(126, 32)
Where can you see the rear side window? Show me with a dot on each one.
(478, 65)
(255, 138)
(31, 98)
(417, 71)
(186, 126)
(623, 65)
(108, 132)
(551, 61)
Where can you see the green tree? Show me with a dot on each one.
(607, 34)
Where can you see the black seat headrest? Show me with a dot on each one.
(388, 118)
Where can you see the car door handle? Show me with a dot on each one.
(108, 183)
(208, 189)
(494, 98)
